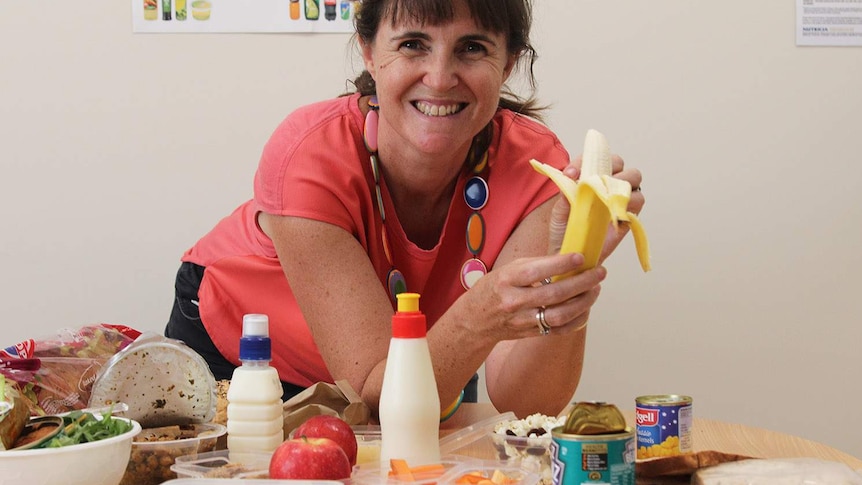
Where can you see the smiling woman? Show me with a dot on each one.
(418, 181)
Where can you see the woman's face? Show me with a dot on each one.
(438, 85)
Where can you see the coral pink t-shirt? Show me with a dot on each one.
(315, 165)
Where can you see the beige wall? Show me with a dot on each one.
(118, 150)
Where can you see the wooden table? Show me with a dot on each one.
(707, 434)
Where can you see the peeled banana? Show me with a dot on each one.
(598, 200)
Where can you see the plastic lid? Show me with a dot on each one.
(408, 302)
(255, 325)
(255, 343)
(408, 321)
(174, 376)
(467, 436)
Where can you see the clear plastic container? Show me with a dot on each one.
(228, 481)
(374, 475)
(217, 464)
(368, 440)
(153, 453)
(455, 467)
(461, 441)
(512, 475)
(531, 455)
(174, 375)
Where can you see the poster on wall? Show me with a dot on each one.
(835, 23)
(232, 16)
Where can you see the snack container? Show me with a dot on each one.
(527, 443)
(456, 468)
(474, 440)
(217, 465)
(512, 475)
(154, 452)
(368, 440)
(373, 475)
(228, 481)
(529, 453)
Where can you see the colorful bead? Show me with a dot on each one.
(397, 283)
(481, 165)
(475, 233)
(370, 132)
(380, 203)
(476, 193)
(384, 236)
(471, 271)
(375, 168)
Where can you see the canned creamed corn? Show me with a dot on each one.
(663, 425)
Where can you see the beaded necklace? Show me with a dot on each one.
(475, 196)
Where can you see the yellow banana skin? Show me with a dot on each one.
(597, 201)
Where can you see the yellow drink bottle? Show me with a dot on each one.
(294, 9)
(180, 6)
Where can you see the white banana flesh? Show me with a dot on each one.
(598, 201)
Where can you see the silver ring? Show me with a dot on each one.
(546, 281)
(544, 328)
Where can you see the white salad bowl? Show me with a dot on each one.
(100, 462)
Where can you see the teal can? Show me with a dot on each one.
(600, 459)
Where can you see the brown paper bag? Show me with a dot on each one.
(337, 399)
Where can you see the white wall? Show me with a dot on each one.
(118, 150)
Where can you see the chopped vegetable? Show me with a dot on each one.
(480, 478)
(401, 471)
(85, 427)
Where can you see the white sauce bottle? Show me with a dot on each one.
(409, 403)
(254, 411)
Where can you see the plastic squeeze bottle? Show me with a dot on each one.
(409, 403)
(254, 414)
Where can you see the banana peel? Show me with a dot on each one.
(598, 201)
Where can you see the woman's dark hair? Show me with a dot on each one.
(513, 18)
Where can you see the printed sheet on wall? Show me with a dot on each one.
(829, 22)
(232, 16)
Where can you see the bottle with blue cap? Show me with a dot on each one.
(254, 412)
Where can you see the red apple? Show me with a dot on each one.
(332, 427)
(309, 459)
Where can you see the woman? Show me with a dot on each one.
(317, 252)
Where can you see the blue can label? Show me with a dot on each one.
(602, 459)
(663, 429)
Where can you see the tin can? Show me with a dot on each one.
(601, 459)
(663, 425)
